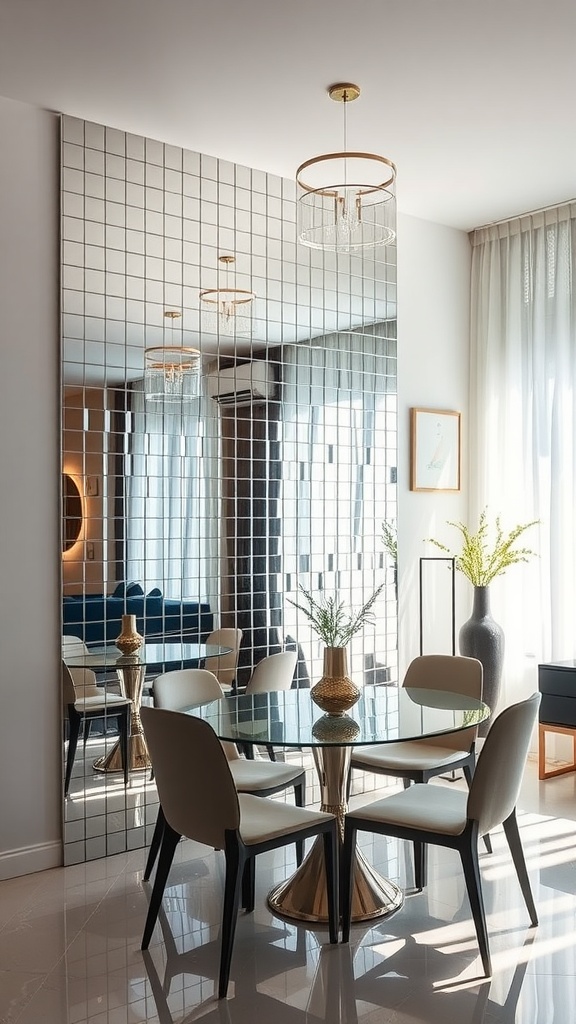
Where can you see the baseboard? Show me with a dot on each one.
(29, 859)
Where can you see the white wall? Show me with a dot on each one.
(433, 365)
(30, 747)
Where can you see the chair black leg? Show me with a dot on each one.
(270, 751)
(75, 721)
(234, 871)
(300, 801)
(123, 726)
(469, 856)
(331, 865)
(513, 836)
(170, 840)
(249, 885)
(468, 773)
(420, 865)
(155, 844)
(346, 879)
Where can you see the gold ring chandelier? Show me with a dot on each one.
(227, 309)
(347, 199)
(171, 372)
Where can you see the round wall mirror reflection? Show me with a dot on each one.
(71, 512)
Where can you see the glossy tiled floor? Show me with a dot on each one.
(69, 941)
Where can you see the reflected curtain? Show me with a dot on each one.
(338, 479)
(173, 498)
(523, 411)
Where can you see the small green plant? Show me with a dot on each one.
(390, 539)
(330, 621)
(481, 561)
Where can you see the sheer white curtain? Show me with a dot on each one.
(523, 417)
(173, 498)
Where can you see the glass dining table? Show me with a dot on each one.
(290, 719)
(131, 669)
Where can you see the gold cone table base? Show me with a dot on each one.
(131, 678)
(303, 896)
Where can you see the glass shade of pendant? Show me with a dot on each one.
(172, 374)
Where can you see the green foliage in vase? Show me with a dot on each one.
(329, 619)
(390, 539)
(479, 560)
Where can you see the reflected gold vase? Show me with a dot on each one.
(129, 640)
(335, 693)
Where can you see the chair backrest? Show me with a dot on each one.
(275, 672)
(224, 666)
(498, 776)
(195, 787)
(448, 672)
(176, 691)
(73, 647)
(78, 683)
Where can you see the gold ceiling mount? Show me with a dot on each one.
(344, 92)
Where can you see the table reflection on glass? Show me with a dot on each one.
(291, 719)
(152, 658)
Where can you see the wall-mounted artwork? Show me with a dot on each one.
(434, 450)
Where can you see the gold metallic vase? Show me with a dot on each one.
(335, 693)
(129, 640)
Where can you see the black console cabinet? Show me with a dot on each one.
(557, 684)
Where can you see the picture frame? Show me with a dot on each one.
(434, 450)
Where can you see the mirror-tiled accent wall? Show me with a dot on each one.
(278, 472)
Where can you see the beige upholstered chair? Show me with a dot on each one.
(276, 672)
(176, 691)
(420, 760)
(84, 701)
(199, 800)
(224, 666)
(448, 817)
(73, 647)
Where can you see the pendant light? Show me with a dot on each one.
(172, 371)
(346, 200)
(227, 309)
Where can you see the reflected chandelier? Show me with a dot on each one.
(227, 310)
(172, 372)
(346, 200)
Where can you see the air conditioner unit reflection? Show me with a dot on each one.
(245, 384)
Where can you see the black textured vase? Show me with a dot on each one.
(481, 637)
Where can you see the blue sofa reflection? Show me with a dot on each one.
(97, 618)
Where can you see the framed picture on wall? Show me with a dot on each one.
(434, 450)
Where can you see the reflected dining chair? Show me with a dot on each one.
(224, 666)
(73, 646)
(452, 818)
(84, 701)
(200, 801)
(275, 672)
(181, 689)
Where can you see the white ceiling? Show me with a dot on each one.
(474, 100)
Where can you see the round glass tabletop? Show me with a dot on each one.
(289, 718)
(177, 654)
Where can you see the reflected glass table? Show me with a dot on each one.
(291, 719)
(152, 658)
